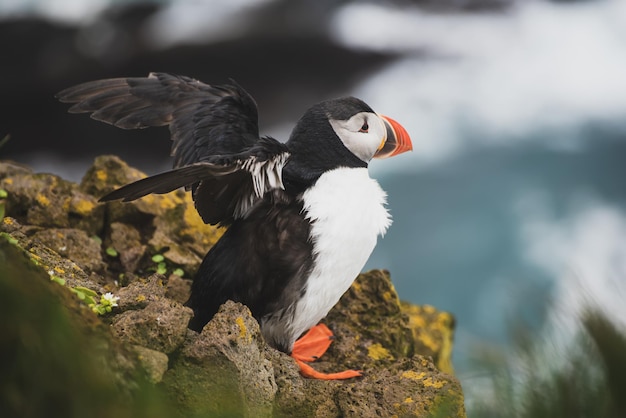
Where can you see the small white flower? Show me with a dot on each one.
(112, 300)
(51, 272)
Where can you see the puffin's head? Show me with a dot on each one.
(364, 132)
(345, 132)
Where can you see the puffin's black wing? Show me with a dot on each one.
(224, 187)
(204, 120)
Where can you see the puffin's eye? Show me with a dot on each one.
(364, 128)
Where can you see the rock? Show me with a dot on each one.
(227, 370)
(160, 326)
(58, 359)
(126, 240)
(165, 224)
(106, 174)
(178, 289)
(224, 371)
(154, 362)
(394, 329)
(73, 244)
(373, 334)
(48, 200)
(11, 168)
(369, 325)
(433, 333)
(49, 260)
(141, 292)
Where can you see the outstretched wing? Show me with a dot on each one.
(204, 120)
(224, 188)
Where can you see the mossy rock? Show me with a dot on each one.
(57, 358)
(227, 370)
(48, 200)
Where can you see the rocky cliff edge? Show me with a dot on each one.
(87, 255)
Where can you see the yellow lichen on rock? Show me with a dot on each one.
(43, 200)
(425, 380)
(101, 175)
(413, 375)
(434, 331)
(432, 383)
(378, 352)
(158, 204)
(243, 331)
(195, 227)
(82, 206)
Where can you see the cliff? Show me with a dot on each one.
(72, 346)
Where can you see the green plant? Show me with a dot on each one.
(106, 303)
(161, 266)
(8, 238)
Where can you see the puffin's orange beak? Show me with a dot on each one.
(397, 142)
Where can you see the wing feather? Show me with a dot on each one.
(215, 141)
(204, 120)
(224, 189)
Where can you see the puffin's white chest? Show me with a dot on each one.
(347, 211)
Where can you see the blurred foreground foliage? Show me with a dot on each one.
(585, 380)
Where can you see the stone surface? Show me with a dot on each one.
(227, 370)
(154, 362)
(75, 245)
(155, 224)
(57, 358)
(126, 240)
(178, 288)
(433, 333)
(369, 334)
(224, 369)
(160, 326)
(141, 292)
(49, 260)
(48, 200)
(373, 334)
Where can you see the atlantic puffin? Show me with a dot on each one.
(303, 216)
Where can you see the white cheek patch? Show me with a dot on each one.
(362, 144)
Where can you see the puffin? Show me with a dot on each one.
(302, 216)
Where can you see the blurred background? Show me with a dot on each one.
(510, 212)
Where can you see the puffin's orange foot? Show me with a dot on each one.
(312, 346)
(310, 372)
